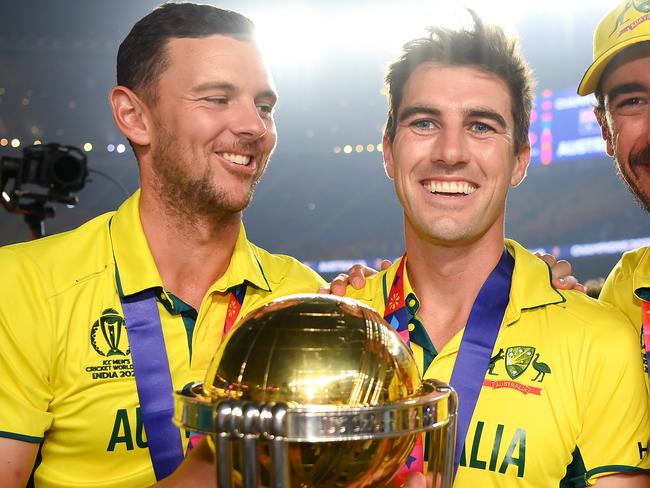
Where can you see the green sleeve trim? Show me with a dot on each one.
(21, 437)
(575, 480)
(615, 468)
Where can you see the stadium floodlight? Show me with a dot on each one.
(311, 33)
(303, 35)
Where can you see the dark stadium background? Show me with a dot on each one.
(315, 202)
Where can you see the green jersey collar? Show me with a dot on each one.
(137, 268)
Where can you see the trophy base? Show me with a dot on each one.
(350, 464)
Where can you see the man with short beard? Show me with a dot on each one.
(620, 78)
(172, 266)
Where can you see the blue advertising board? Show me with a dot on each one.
(563, 128)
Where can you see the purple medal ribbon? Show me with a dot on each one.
(478, 340)
(153, 381)
(477, 345)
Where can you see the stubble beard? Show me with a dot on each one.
(191, 198)
(641, 195)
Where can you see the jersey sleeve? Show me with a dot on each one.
(618, 291)
(615, 423)
(25, 335)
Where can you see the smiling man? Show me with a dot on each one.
(541, 375)
(99, 325)
(620, 78)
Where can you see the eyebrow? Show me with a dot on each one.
(624, 88)
(229, 87)
(493, 115)
(214, 85)
(418, 110)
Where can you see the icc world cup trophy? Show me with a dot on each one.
(318, 391)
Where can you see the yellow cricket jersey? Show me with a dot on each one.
(67, 381)
(564, 399)
(627, 285)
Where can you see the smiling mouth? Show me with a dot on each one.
(238, 159)
(450, 187)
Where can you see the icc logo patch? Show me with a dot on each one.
(107, 335)
(109, 339)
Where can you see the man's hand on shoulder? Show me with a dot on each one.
(356, 277)
(561, 276)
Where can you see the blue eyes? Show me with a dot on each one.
(423, 124)
(481, 128)
(426, 125)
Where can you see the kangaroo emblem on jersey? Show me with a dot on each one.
(517, 360)
(493, 361)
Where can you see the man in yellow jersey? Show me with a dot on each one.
(620, 78)
(99, 325)
(551, 386)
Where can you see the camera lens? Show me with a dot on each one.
(67, 171)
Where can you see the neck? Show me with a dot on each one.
(191, 252)
(448, 278)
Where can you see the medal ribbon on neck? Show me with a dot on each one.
(235, 303)
(397, 315)
(396, 312)
(645, 320)
(475, 349)
(153, 378)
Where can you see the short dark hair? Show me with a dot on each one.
(142, 55)
(484, 47)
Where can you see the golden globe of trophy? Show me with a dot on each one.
(318, 391)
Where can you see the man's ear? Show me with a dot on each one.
(521, 166)
(605, 132)
(387, 147)
(130, 115)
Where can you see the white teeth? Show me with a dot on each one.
(236, 158)
(450, 187)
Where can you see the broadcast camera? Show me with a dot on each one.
(61, 170)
